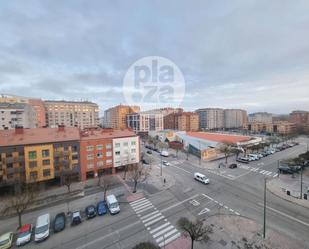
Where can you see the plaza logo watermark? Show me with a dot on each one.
(154, 82)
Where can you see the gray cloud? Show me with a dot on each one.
(247, 54)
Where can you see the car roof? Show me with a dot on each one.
(76, 213)
(5, 236)
(25, 228)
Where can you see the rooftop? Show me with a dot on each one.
(106, 134)
(220, 138)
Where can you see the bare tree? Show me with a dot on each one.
(146, 245)
(138, 173)
(104, 182)
(20, 201)
(68, 176)
(226, 148)
(196, 230)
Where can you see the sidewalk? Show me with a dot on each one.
(279, 186)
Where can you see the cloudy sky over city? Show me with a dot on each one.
(242, 54)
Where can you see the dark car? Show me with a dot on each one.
(59, 222)
(145, 161)
(149, 152)
(101, 208)
(76, 218)
(285, 169)
(233, 166)
(242, 160)
(90, 212)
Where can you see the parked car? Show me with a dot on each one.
(145, 161)
(260, 155)
(101, 208)
(6, 240)
(149, 152)
(164, 153)
(112, 204)
(42, 228)
(285, 169)
(242, 160)
(24, 235)
(90, 212)
(166, 163)
(254, 157)
(264, 153)
(233, 166)
(201, 178)
(76, 218)
(59, 222)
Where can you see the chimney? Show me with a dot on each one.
(60, 128)
(19, 130)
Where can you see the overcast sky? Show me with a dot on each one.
(242, 54)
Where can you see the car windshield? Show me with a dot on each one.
(59, 221)
(114, 205)
(23, 234)
(41, 229)
(4, 242)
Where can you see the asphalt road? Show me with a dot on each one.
(153, 218)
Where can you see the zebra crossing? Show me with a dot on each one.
(162, 231)
(258, 170)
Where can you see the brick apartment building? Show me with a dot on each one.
(300, 119)
(280, 127)
(182, 121)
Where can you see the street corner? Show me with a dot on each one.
(134, 197)
(181, 243)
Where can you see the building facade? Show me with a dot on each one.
(72, 114)
(234, 118)
(261, 117)
(182, 121)
(37, 155)
(145, 121)
(280, 127)
(211, 118)
(116, 117)
(16, 114)
(102, 151)
(300, 119)
(39, 108)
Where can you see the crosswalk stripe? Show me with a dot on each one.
(139, 203)
(152, 217)
(154, 221)
(160, 227)
(133, 202)
(169, 239)
(143, 210)
(143, 206)
(162, 231)
(275, 175)
(269, 173)
(148, 215)
(262, 171)
(166, 235)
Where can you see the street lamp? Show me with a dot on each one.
(264, 222)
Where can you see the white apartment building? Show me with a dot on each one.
(234, 118)
(260, 117)
(72, 114)
(145, 121)
(126, 151)
(17, 114)
(211, 118)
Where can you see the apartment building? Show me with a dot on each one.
(182, 121)
(72, 114)
(234, 118)
(39, 109)
(116, 117)
(143, 122)
(280, 127)
(211, 118)
(104, 150)
(16, 114)
(36, 155)
(262, 117)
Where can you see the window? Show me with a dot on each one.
(133, 150)
(108, 153)
(100, 163)
(33, 175)
(89, 148)
(133, 143)
(108, 146)
(9, 165)
(75, 157)
(45, 153)
(90, 166)
(125, 144)
(32, 155)
(46, 162)
(89, 156)
(99, 147)
(33, 164)
(99, 155)
(46, 172)
(109, 161)
(117, 145)
(117, 153)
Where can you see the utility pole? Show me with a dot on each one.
(278, 167)
(264, 223)
(161, 164)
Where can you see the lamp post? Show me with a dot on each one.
(264, 222)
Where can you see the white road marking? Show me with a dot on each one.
(166, 235)
(142, 207)
(237, 213)
(179, 203)
(146, 216)
(275, 175)
(162, 231)
(160, 227)
(154, 221)
(143, 210)
(262, 171)
(139, 203)
(132, 203)
(205, 210)
(169, 240)
(286, 215)
(152, 217)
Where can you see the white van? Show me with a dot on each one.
(201, 178)
(164, 153)
(112, 204)
(42, 228)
